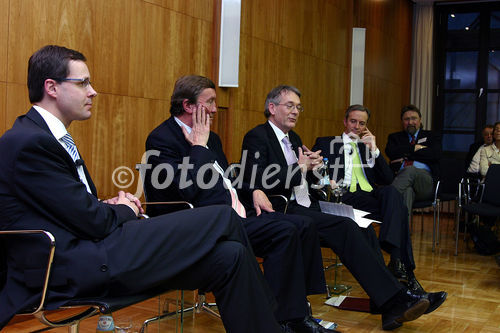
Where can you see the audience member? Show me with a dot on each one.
(490, 154)
(102, 248)
(414, 157)
(474, 154)
(289, 244)
(276, 162)
(356, 161)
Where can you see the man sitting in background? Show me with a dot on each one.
(474, 154)
(414, 157)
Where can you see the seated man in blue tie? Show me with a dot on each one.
(355, 160)
(103, 249)
(414, 157)
(187, 163)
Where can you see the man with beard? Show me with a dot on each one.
(414, 155)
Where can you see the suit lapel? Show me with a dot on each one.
(275, 144)
(34, 116)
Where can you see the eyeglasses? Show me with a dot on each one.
(291, 106)
(84, 83)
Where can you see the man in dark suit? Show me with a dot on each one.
(276, 162)
(289, 244)
(414, 157)
(355, 160)
(102, 248)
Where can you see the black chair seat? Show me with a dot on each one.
(422, 204)
(447, 196)
(482, 209)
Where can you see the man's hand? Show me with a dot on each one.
(261, 202)
(126, 199)
(418, 147)
(369, 140)
(309, 160)
(200, 130)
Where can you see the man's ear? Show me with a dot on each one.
(188, 107)
(272, 108)
(50, 87)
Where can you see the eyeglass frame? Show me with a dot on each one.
(84, 83)
(289, 106)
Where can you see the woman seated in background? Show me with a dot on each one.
(491, 154)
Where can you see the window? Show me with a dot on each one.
(467, 71)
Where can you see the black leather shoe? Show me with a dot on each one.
(406, 307)
(414, 286)
(398, 269)
(308, 325)
(435, 300)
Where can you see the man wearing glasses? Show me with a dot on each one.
(273, 151)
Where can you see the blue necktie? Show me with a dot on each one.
(71, 147)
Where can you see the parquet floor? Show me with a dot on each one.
(471, 280)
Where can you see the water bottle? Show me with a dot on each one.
(325, 180)
(105, 324)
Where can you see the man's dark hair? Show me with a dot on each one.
(274, 96)
(188, 87)
(410, 107)
(357, 107)
(49, 62)
(490, 126)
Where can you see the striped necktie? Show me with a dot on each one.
(301, 191)
(70, 146)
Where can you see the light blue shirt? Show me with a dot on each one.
(417, 164)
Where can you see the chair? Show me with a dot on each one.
(445, 189)
(90, 305)
(489, 200)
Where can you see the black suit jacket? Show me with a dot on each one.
(332, 147)
(265, 165)
(171, 146)
(398, 146)
(40, 189)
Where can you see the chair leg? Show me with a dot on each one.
(457, 225)
(74, 328)
(438, 228)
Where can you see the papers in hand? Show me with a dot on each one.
(359, 216)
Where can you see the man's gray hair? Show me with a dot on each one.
(274, 96)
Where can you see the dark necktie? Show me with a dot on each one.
(412, 143)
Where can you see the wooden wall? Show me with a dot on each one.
(137, 48)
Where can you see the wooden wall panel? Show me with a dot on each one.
(3, 102)
(17, 102)
(33, 24)
(387, 62)
(296, 42)
(4, 28)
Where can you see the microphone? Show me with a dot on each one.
(79, 162)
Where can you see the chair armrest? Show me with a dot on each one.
(281, 196)
(52, 248)
(188, 204)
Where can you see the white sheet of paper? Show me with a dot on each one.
(347, 211)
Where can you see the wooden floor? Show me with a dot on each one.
(471, 280)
